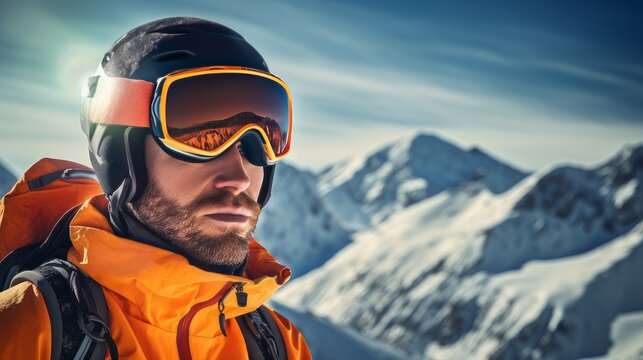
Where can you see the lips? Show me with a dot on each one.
(231, 211)
(230, 214)
(228, 217)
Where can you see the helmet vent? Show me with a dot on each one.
(173, 55)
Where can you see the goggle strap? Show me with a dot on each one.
(120, 101)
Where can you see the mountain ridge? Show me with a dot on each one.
(371, 187)
(436, 282)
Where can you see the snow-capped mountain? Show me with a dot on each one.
(366, 190)
(295, 226)
(538, 271)
(7, 179)
(568, 211)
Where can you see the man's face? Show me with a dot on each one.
(208, 210)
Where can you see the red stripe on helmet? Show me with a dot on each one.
(120, 101)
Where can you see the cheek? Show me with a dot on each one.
(168, 185)
(171, 177)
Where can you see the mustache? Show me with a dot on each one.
(226, 198)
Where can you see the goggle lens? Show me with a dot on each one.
(205, 111)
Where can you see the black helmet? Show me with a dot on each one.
(148, 52)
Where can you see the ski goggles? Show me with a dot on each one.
(198, 113)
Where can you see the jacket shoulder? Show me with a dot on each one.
(296, 346)
(24, 323)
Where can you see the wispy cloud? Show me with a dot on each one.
(361, 74)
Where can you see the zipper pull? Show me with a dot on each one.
(222, 318)
(221, 308)
(242, 297)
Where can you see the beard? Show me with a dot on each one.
(195, 236)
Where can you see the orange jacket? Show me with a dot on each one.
(161, 307)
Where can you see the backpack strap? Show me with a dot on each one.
(77, 311)
(262, 335)
(276, 333)
(64, 174)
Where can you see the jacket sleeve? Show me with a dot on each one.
(25, 332)
(296, 346)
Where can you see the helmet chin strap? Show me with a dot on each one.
(117, 202)
(128, 189)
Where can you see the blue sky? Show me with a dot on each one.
(533, 84)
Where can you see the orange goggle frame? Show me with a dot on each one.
(198, 112)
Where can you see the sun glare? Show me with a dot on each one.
(76, 63)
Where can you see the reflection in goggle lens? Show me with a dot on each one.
(204, 111)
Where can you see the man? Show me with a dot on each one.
(185, 124)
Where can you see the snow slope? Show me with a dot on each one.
(330, 342)
(366, 190)
(538, 271)
(295, 225)
(627, 338)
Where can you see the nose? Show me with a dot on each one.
(231, 172)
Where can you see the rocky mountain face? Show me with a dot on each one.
(366, 190)
(310, 216)
(295, 225)
(537, 271)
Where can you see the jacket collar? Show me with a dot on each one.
(158, 286)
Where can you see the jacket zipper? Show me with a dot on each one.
(183, 331)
